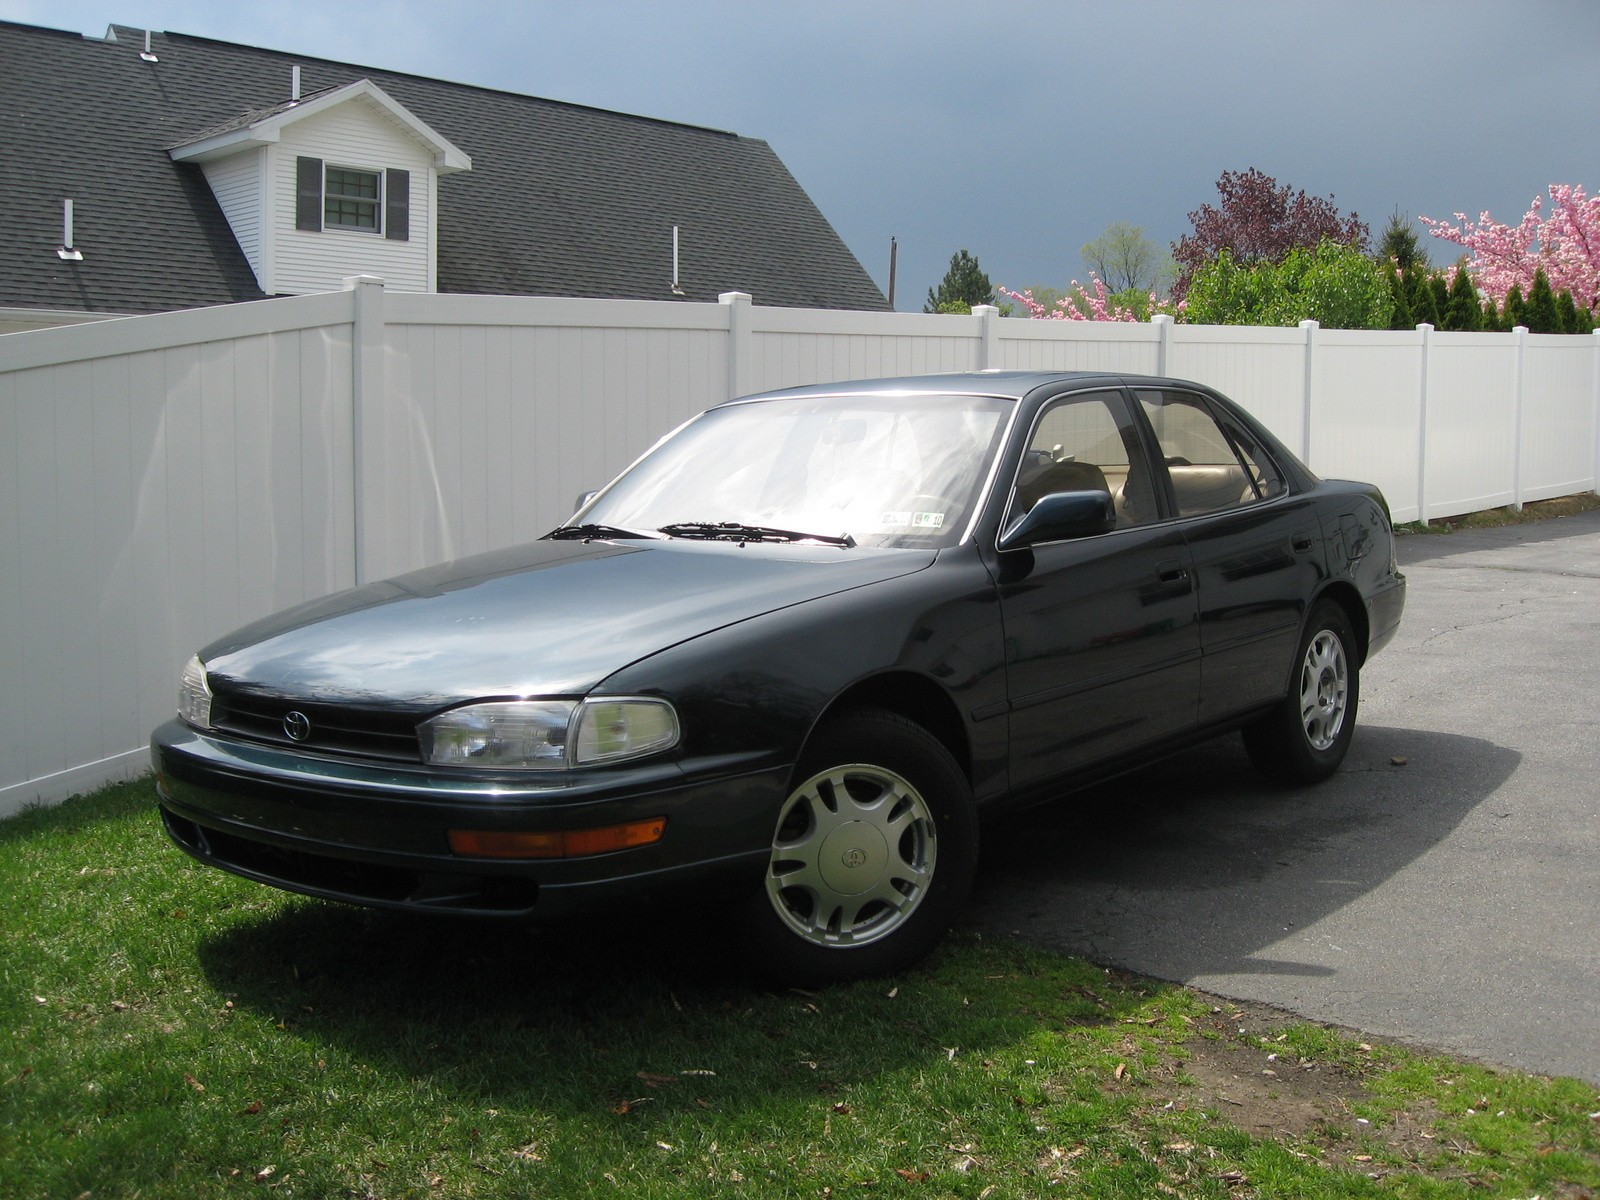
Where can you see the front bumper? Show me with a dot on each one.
(375, 833)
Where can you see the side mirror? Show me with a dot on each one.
(585, 498)
(1059, 516)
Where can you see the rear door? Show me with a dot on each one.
(1257, 549)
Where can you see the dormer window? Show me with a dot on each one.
(351, 199)
(320, 187)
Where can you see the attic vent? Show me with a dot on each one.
(147, 54)
(66, 250)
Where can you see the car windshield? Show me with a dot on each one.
(890, 470)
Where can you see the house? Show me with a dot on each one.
(143, 172)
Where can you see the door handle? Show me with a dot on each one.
(1302, 543)
(1171, 572)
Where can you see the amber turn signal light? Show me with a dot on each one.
(559, 843)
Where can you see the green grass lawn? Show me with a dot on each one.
(169, 1031)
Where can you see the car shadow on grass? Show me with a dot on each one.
(1194, 866)
(1195, 857)
(607, 1013)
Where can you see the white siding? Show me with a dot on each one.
(1263, 369)
(353, 135)
(791, 346)
(238, 183)
(152, 498)
(1026, 345)
(487, 431)
(1472, 419)
(1370, 431)
(1557, 436)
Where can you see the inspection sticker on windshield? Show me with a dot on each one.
(900, 518)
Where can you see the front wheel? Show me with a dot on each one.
(1304, 739)
(872, 854)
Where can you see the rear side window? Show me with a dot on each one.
(1213, 465)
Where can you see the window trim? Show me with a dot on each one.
(1136, 425)
(1225, 422)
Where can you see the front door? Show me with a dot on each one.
(1102, 635)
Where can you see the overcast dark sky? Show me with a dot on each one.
(1018, 131)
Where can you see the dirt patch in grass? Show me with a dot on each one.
(1245, 1064)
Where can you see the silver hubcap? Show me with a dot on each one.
(1324, 689)
(852, 857)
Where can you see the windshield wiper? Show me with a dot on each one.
(733, 531)
(566, 532)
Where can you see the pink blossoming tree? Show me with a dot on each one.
(1566, 243)
(1081, 304)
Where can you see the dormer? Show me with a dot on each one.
(339, 182)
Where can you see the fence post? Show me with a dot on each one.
(1163, 324)
(1519, 365)
(1426, 331)
(1310, 328)
(366, 393)
(988, 335)
(739, 366)
(1595, 408)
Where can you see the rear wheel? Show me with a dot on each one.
(872, 854)
(1304, 739)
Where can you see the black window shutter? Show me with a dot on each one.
(397, 205)
(308, 194)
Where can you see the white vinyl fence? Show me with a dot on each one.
(166, 478)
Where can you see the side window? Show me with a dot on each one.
(1086, 442)
(1212, 468)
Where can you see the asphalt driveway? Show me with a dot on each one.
(1443, 888)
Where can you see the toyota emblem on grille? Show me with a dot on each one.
(297, 725)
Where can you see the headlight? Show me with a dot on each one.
(612, 730)
(548, 735)
(194, 695)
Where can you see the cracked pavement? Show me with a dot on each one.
(1442, 888)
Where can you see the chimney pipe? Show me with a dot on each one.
(147, 54)
(677, 289)
(66, 250)
(294, 84)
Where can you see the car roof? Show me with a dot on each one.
(1012, 385)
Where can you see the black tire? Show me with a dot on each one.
(873, 854)
(1304, 739)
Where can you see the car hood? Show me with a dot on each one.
(549, 618)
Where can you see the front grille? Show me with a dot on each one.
(334, 730)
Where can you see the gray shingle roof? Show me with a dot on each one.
(562, 200)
